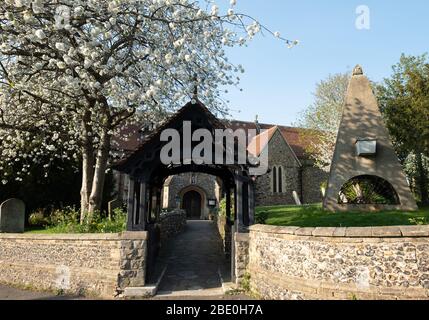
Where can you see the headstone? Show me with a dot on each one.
(323, 191)
(112, 205)
(296, 198)
(363, 148)
(12, 216)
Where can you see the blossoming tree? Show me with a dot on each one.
(72, 72)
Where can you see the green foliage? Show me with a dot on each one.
(245, 282)
(404, 102)
(222, 207)
(38, 218)
(67, 221)
(419, 221)
(323, 117)
(57, 186)
(261, 217)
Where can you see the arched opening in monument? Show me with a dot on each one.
(368, 189)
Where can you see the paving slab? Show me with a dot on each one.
(193, 260)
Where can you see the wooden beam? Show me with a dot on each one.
(251, 204)
(130, 204)
(142, 210)
(239, 205)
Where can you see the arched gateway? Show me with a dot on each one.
(147, 173)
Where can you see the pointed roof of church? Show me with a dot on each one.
(259, 142)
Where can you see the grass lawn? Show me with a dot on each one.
(315, 216)
(41, 230)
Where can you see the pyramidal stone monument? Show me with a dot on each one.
(366, 174)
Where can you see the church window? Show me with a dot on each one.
(274, 180)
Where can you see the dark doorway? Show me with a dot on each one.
(192, 205)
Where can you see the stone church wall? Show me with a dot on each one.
(178, 185)
(279, 155)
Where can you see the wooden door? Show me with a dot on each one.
(192, 205)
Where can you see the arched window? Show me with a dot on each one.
(274, 179)
(280, 170)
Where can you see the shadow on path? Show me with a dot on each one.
(193, 260)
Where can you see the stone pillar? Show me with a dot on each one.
(130, 205)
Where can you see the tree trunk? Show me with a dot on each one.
(422, 179)
(99, 174)
(87, 167)
(87, 176)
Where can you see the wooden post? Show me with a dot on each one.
(251, 203)
(130, 205)
(228, 203)
(142, 210)
(239, 205)
(158, 203)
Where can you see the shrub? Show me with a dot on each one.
(261, 217)
(38, 218)
(67, 220)
(63, 217)
(222, 207)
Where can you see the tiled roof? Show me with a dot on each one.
(296, 137)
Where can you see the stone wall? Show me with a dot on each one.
(340, 263)
(90, 264)
(225, 234)
(172, 223)
(241, 255)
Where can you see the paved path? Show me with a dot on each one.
(9, 293)
(193, 260)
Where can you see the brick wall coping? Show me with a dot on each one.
(126, 235)
(351, 232)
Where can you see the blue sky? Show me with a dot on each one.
(279, 82)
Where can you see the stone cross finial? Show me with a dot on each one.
(358, 71)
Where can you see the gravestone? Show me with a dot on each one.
(12, 216)
(112, 205)
(296, 198)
